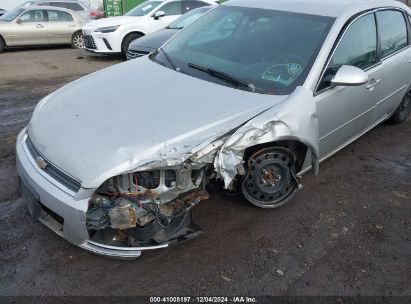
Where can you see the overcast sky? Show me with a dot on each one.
(10, 4)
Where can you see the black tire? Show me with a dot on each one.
(271, 179)
(400, 115)
(77, 40)
(2, 45)
(127, 40)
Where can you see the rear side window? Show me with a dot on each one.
(172, 8)
(393, 31)
(190, 5)
(68, 5)
(56, 16)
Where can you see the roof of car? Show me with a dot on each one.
(330, 8)
(56, 8)
(76, 1)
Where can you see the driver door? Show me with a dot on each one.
(172, 11)
(345, 112)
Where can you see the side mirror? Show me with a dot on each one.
(349, 76)
(159, 14)
(18, 20)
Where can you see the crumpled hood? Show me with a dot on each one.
(133, 114)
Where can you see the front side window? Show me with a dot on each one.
(269, 51)
(358, 47)
(58, 16)
(172, 8)
(33, 16)
(393, 31)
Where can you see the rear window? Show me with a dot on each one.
(393, 31)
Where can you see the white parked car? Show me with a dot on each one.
(114, 35)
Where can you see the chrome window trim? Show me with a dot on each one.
(347, 26)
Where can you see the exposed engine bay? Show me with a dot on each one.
(147, 208)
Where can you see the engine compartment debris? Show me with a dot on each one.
(147, 208)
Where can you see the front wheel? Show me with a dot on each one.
(271, 179)
(403, 110)
(77, 41)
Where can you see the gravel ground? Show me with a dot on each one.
(348, 232)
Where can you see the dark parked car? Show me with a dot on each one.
(148, 44)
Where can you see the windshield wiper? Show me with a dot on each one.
(169, 59)
(223, 76)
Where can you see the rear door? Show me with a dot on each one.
(32, 29)
(394, 34)
(61, 27)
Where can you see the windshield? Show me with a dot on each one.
(144, 8)
(188, 18)
(269, 51)
(10, 16)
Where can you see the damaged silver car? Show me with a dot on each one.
(254, 94)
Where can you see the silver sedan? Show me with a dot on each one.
(253, 94)
(25, 26)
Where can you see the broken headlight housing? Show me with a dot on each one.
(147, 207)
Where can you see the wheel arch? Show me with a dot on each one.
(76, 32)
(300, 150)
(131, 33)
(4, 40)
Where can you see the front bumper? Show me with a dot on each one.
(58, 209)
(102, 43)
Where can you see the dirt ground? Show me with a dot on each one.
(348, 232)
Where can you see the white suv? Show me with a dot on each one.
(113, 35)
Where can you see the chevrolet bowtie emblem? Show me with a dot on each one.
(41, 163)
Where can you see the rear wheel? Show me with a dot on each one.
(127, 40)
(403, 110)
(77, 41)
(271, 179)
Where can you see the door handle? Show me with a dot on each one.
(39, 25)
(372, 83)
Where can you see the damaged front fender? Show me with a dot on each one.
(295, 119)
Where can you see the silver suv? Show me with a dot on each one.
(74, 5)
